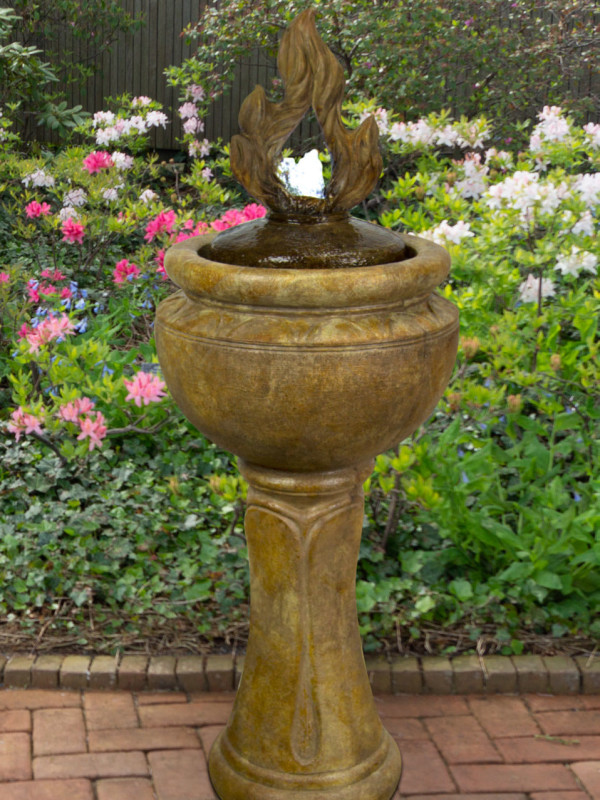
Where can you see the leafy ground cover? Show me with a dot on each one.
(121, 526)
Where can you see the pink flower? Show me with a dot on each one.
(72, 231)
(70, 412)
(49, 329)
(188, 110)
(124, 270)
(236, 217)
(35, 209)
(47, 289)
(145, 388)
(53, 274)
(84, 405)
(22, 422)
(95, 429)
(66, 293)
(229, 219)
(32, 291)
(254, 211)
(160, 260)
(4, 277)
(163, 223)
(97, 161)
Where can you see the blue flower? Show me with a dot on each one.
(464, 477)
(80, 304)
(82, 326)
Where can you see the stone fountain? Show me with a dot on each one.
(305, 342)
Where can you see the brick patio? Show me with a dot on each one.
(120, 745)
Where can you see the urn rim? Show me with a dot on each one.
(406, 282)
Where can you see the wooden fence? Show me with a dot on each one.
(137, 62)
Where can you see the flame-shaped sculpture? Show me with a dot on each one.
(312, 76)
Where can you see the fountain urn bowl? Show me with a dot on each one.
(305, 343)
(306, 370)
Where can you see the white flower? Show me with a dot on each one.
(191, 125)
(195, 92)
(399, 132)
(420, 132)
(68, 212)
(381, 118)
(103, 118)
(472, 134)
(110, 195)
(529, 290)
(588, 186)
(472, 183)
(446, 136)
(122, 160)
(577, 261)
(38, 178)
(76, 197)
(188, 110)
(304, 178)
(141, 101)
(502, 157)
(201, 149)
(584, 225)
(535, 142)
(444, 232)
(147, 195)
(593, 132)
(207, 173)
(523, 191)
(156, 118)
(139, 123)
(106, 135)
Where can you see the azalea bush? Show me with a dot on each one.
(492, 509)
(116, 511)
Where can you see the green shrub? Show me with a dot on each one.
(503, 59)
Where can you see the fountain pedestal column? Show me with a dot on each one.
(304, 724)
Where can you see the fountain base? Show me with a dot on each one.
(304, 717)
(235, 778)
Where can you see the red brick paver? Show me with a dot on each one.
(588, 773)
(58, 731)
(512, 777)
(153, 745)
(181, 774)
(125, 789)
(48, 790)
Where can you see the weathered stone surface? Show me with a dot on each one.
(406, 676)
(469, 677)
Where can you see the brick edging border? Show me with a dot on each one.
(439, 675)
